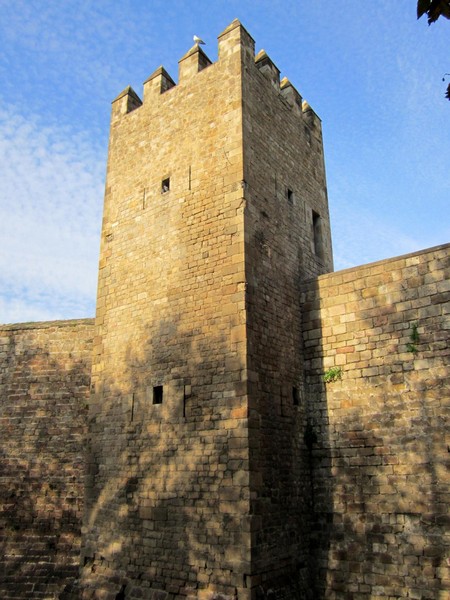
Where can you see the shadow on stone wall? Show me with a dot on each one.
(379, 459)
(43, 417)
(168, 483)
(387, 531)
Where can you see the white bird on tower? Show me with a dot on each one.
(198, 40)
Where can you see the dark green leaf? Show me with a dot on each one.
(422, 7)
(433, 9)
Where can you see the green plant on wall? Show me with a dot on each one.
(333, 374)
(415, 338)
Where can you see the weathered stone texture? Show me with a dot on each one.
(381, 483)
(210, 209)
(169, 491)
(220, 466)
(284, 184)
(44, 390)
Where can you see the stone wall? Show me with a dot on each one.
(215, 212)
(379, 435)
(168, 491)
(220, 465)
(44, 390)
(284, 186)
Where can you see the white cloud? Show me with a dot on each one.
(50, 209)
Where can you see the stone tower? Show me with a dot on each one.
(215, 213)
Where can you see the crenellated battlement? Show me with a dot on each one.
(159, 82)
(194, 61)
(233, 42)
(126, 101)
(268, 68)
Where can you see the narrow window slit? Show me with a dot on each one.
(157, 394)
(132, 407)
(317, 234)
(165, 185)
(186, 395)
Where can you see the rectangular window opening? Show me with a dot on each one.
(290, 195)
(132, 407)
(295, 396)
(317, 234)
(165, 185)
(186, 395)
(157, 394)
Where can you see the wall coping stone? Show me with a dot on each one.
(47, 324)
(393, 259)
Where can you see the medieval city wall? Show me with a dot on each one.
(44, 391)
(247, 435)
(378, 437)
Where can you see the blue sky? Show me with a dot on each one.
(371, 71)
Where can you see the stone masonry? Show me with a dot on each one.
(380, 444)
(197, 464)
(44, 390)
(219, 465)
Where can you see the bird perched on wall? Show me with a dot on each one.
(198, 40)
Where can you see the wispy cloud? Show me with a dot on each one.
(370, 223)
(375, 81)
(360, 237)
(50, 201)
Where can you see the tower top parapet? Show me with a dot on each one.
(194, 61)
(233, 39)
